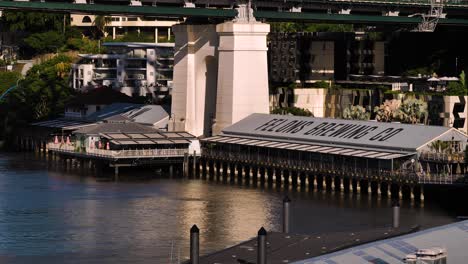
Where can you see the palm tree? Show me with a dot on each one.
(412, 111)
(388, 111)
(100, 23)
(356, 113)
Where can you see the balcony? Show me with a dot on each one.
(116, 154)
(443, 157)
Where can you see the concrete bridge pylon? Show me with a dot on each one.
(220, 74)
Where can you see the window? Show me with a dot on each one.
(98, 108)
(86, 19)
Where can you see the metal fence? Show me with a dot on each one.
(443, 157)
(335, 168)
(123, 154)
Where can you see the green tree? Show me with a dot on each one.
(292, 111)
(40, 95)
(412, 111)
(356, 113)
(440, 146)
(100, 23)
(49, 41)
(463, 79)
(387, 112)
(31, 21)
(84, 45)
(7, 80)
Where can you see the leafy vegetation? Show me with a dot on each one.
(410, 111)
(458, 88)
(31, 21)
(321, 84)
(440, 146)
(46, 42)
(41, 95)
(356, 113)
(7, 80)
(84, 45)
(292, 111)
(100, 24)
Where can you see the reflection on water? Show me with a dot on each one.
(48, 216)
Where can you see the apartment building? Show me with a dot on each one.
(135, 69)
(310, 57)
(121, 25)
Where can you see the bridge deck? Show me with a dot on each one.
(164, 11)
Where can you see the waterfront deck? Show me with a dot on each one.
(117, 154)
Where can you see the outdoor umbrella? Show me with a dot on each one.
(100, 145)
(107, 146)
(56, 140)
(68, 140)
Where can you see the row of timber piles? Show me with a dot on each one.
(306, 178)
(31, 144)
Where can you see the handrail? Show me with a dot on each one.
(334, 168)
(436, 156)
(7, 91)
(140, 153)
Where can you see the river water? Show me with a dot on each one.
(49, 216)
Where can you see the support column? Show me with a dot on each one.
(195, 77)
(243, 70)
(337, 181)
(116, 173)
(156, 35)
(311, 181)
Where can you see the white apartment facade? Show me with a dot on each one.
(120, 25)
(135, 69)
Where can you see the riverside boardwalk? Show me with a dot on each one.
(287, 248)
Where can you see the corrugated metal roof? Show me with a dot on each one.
(335, 132)
(452, 237)
(61, 123)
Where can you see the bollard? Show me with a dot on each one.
(396, 214)
(261, 246)
(194, 245)
(286, 214)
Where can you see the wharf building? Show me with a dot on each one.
(135, 69)
(385, 158)
(105, 128)
(118, 142)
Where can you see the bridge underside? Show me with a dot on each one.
(218, 14)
